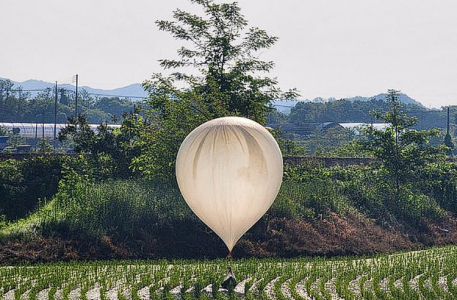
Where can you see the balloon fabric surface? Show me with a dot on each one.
(229, 171)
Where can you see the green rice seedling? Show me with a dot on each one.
(308, 285)
(366, 294)
(277, 287)
(84, 290)
(33, 293)
(427, 273)
(247, 289)
(322, 286)
(450, 282)
(342, 283)
(103, 295)
(121, 295)
(425, 291)
(378, 292)
(407, 290)
(394, 291)
(437, 290)
(198, 286)
(293, 285)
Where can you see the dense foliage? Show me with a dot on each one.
(411, 184)
(112, 149)
(19, 106)
(120, 186)
(224, 55)
(358, 111)
(24, 182)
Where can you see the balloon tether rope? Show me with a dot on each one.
(229, 258)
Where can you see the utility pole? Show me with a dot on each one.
(447, 139)
(76, 97)
(42, 136)
(55, 118)
(7, 95)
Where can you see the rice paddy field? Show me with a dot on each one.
(425, 274)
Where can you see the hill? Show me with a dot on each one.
(130, 91)
(136, 91)
(286, 105)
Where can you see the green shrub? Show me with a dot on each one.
(24, 183)
(117, 207)
(413, 208)
(317, 197)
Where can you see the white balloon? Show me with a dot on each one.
(229, 171)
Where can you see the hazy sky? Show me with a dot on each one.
(338, 48)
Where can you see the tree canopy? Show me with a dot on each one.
(221, 58)
(404, 152)
(225, 55)
(19, 106)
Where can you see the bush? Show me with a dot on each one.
(24, 183)
(128, 208)
(309, 200)
(414, 208)
(119, 208)
(368, 189)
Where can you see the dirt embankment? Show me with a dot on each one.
(334, 235)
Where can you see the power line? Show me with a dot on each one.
(71, 91)
(21, 90)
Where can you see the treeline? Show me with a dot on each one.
(17, 105)
(358, 111)
(119, 201)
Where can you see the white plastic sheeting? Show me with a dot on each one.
(229, 171)
(42, 130)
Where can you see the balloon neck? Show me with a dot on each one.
(229, 255)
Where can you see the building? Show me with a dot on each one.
(356, 127)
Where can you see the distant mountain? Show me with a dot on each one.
(286, 105)
(135, 91)
(403, 98)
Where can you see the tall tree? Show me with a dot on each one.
(112, 149)
(225, 80)
(404, 152)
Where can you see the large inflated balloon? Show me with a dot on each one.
(229, 171)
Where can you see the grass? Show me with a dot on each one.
(119, 217)
(123, 207)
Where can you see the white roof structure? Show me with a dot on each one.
(40, 130)
(357, 126)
